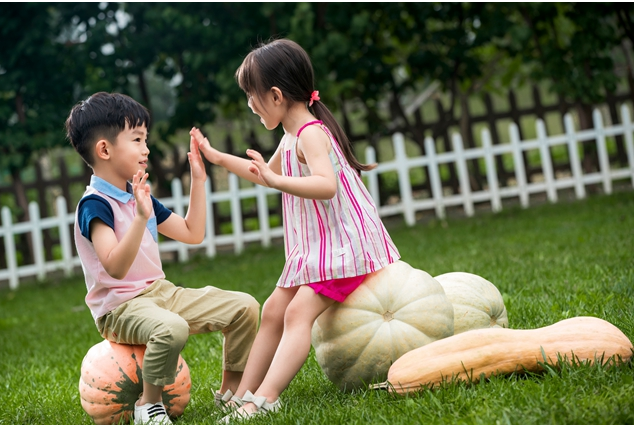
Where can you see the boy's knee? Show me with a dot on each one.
(250, 306)
(173, 332)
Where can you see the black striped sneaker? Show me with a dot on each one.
(151, 414)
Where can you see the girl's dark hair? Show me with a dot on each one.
(102, 116)
(284, 64)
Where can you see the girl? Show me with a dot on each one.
(333, 234)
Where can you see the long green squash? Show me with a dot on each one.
(495, 351)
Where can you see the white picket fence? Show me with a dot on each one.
(408, 205)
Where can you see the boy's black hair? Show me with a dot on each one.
(102, 116)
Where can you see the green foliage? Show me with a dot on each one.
(37, 80)
(572, 45)
(370, 59)
(573, 258)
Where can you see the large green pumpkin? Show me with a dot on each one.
(477, 303)
(394, 311)
(110, 383)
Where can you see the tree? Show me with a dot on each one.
(38, 79)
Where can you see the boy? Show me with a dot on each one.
(116, 228)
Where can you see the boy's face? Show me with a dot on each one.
(130, 153)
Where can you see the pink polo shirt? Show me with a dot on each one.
(105, 293)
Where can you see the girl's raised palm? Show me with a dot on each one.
(141, 192)
(203, 143)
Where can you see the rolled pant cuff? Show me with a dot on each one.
(159, 382)
(233, 367)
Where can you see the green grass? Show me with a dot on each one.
(550, 262)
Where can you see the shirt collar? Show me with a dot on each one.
(110, 190)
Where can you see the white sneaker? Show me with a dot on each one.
(151, 414)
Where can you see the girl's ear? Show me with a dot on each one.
(102, 149)
(277, 95)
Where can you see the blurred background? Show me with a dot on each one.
(420, 69)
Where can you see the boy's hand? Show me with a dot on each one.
(203, 143)
(141, 192)
(197, 168)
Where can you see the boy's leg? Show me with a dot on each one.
(141, 321)
(210, 309)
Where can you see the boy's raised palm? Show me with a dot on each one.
(197, 169)
(141, 192)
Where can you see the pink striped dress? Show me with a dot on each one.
(336, 238)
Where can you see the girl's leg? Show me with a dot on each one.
(294, 345)
(267, 339)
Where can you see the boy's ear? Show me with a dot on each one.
(102, 149)
(277, 95)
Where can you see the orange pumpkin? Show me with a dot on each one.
(111, 383)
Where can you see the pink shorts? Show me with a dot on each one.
(337, 289)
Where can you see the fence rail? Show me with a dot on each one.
(407, 206)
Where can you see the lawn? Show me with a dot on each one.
(550, 262)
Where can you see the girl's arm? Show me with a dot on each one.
(117, 256)
(190, 229)
(314, 147)
(233, 163)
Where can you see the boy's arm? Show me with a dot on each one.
(190, 229)
(117, 256)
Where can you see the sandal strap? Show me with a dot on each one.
(261, 402)
(227, 396)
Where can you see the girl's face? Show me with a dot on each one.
(265, 107)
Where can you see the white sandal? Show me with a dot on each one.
(227, 400)
(262, 407)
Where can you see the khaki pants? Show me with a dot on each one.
(164, 315)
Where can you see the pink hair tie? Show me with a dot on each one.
(314, 96)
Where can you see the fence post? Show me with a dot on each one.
(65, 235)
(210, 246)
(462, 171)
(491, 170)
(520, 168)
(406, 190)
(372, 176)
(436, 181)
(179, 201)
(9, 248)
(628, 128)
(263, 215)
(235, 204)
(546, 161)
(38, 245)
(601, 147)
(575, 161)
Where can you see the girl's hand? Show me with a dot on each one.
(261, 169)
(197, 169)
(203, 143)
(141, 192)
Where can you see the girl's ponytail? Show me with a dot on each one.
(323, 113)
